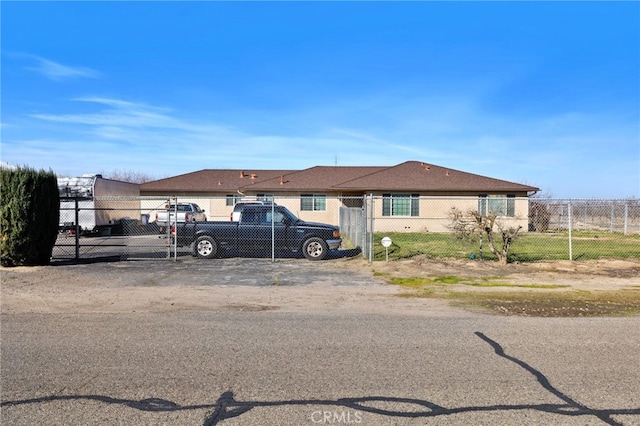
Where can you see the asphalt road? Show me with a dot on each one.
(279, 368)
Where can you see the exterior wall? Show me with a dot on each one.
(217, 209)
(291, 201)
(434, 210)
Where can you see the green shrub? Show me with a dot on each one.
(29, 216)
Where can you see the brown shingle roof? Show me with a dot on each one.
(211, 180)
(409, 176)
(319, 178)
(418, 176)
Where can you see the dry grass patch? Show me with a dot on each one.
(495, 294)
(553, 304)
(448, 280)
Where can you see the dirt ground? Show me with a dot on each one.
(587, 275)
(344, 285)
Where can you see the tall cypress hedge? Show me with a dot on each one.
(29, 216)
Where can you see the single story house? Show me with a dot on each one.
(411, 196)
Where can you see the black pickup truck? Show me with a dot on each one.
(253, 233)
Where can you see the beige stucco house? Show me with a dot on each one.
(410, 197)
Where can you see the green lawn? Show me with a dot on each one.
(529, 247)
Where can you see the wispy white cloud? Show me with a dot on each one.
(110, 133)
(122, 133)
(57, 72)
(120, 114)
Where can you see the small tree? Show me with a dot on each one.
(29, 216)
(474, 223)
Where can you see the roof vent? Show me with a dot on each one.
(254, 176)
(242, 175)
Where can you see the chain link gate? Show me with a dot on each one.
(111, 228)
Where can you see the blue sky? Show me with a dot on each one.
(545, 94)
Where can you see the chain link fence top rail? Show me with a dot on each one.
(551, 229)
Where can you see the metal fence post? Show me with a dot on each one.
(613, 206)
(371, 213)
(570, 230)
(626, 217)
(168, 230)
(363, 228)
(175, 218)
(77, 236)
(273, 231)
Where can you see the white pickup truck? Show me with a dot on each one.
(187, 212)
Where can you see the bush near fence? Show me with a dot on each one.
(28, 216)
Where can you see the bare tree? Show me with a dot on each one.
(464, 226)
(474, 223)
(539, 216)
(128, 176)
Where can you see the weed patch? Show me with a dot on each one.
(421, 282)
(537, 301)
(548, 304)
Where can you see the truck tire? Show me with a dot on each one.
(315, 249)
(205, 247)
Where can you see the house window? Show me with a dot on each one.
(400, 205)
(313, 202)
(501, 205)
(232, 200)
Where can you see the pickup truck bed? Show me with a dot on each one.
(254, 234)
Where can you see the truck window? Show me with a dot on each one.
(249, 216)
(278, 217)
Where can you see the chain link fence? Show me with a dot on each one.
(550, 229)
(131, 228)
